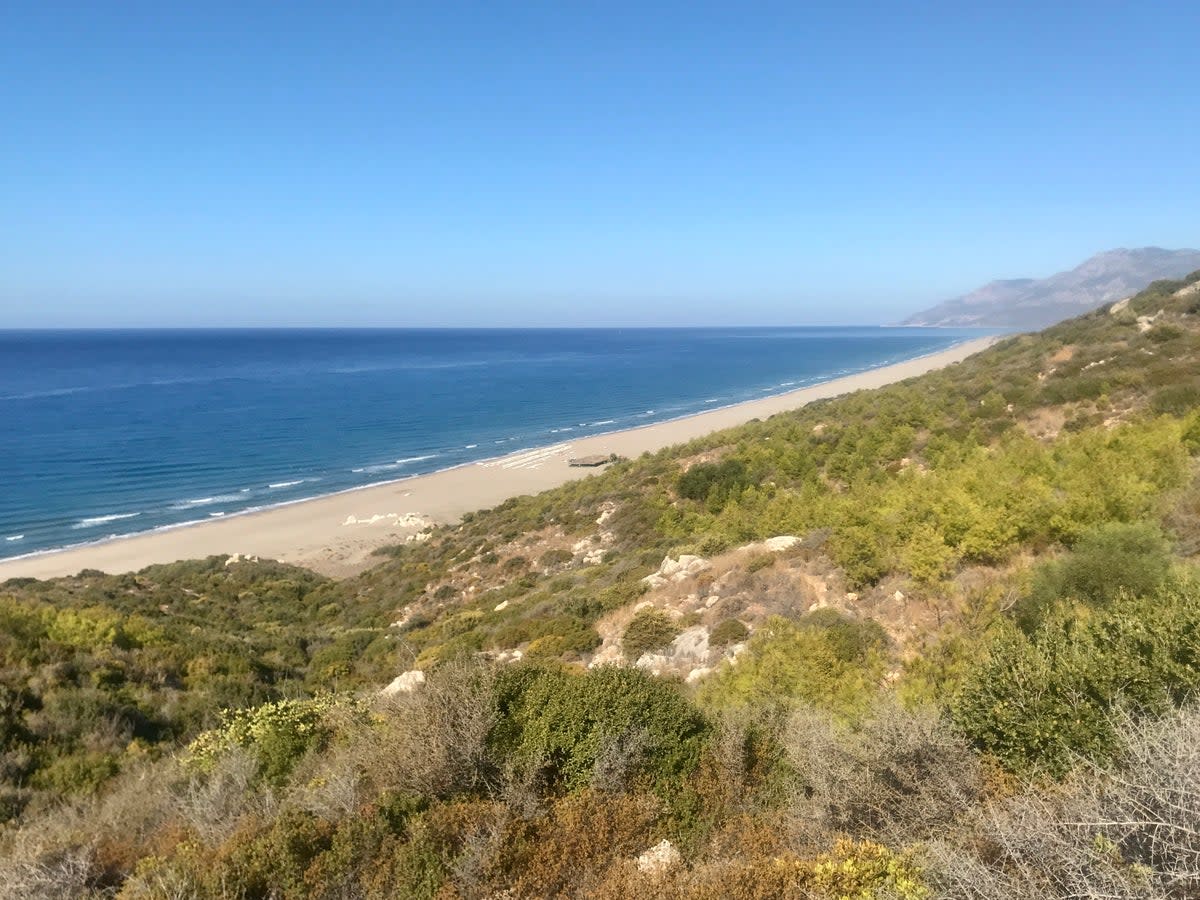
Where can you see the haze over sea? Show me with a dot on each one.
(110, 433)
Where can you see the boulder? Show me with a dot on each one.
(405, 684)
(659, 858)
(781, 543)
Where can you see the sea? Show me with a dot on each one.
(111, 433)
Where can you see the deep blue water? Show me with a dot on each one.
(115, 432)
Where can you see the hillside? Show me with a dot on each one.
(938, 639)
(1030, 303)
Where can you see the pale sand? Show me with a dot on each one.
(313, 532)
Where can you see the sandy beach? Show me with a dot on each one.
(336, 534)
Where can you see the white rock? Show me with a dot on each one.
(781, 543)
(697, 674)
(691, 642)
(500, 607)
(851, 597)
(654, 663)
(898, 596)
(659, 858)
(606, 513)
(1145, 323)
(711, 600)
(406, 683)
(1119, 306)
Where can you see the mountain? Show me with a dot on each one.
(1029, 303)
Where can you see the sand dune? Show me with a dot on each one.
(336, 534)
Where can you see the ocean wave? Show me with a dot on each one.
(205, 501)
(470, 446)
(15, 537)
(392, 466)
(603, 422)
(285, 484)
(93, 521)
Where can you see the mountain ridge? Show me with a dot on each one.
(1031, 303)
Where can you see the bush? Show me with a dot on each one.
(715, 483)
(730, 631)
(279, 734)
(1038, 702)
(900, 775)
(1176, 400)
(787, 664)
(649, 630)
(554, 558)
(563, 724)
(1125, 832)
(1112, 560)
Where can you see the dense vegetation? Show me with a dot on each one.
(969, 673)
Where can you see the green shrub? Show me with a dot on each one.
(761, 561)
(563, 723)
(729, 631)
(1176, 400)
(279, 734)
(1038, 701)
(715, 483)
(787, 664)
(1105, 563)
(556, 557)
(649, 630)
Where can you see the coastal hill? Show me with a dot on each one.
(935, 639)
(1029, 303)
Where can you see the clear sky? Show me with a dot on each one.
(577, 163)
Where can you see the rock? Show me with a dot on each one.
(659, 858)
(1193, 288)
(711, 600)
(898, 596)
(500, 607)
(1119, 306)
(676, 570)
(851, 597)
(781, 543)
(236, 557)
(1145, 323)
(405, 684)
(691, 643)
(606, 512)
(607, 655)
(697, 674)
(654, 663)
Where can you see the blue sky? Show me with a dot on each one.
(577, 163)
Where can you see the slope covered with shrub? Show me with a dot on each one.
(968, 665)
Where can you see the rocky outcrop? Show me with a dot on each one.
(676, 570)
(660, 858)
(404, 684)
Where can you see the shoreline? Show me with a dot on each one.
(336, 533)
